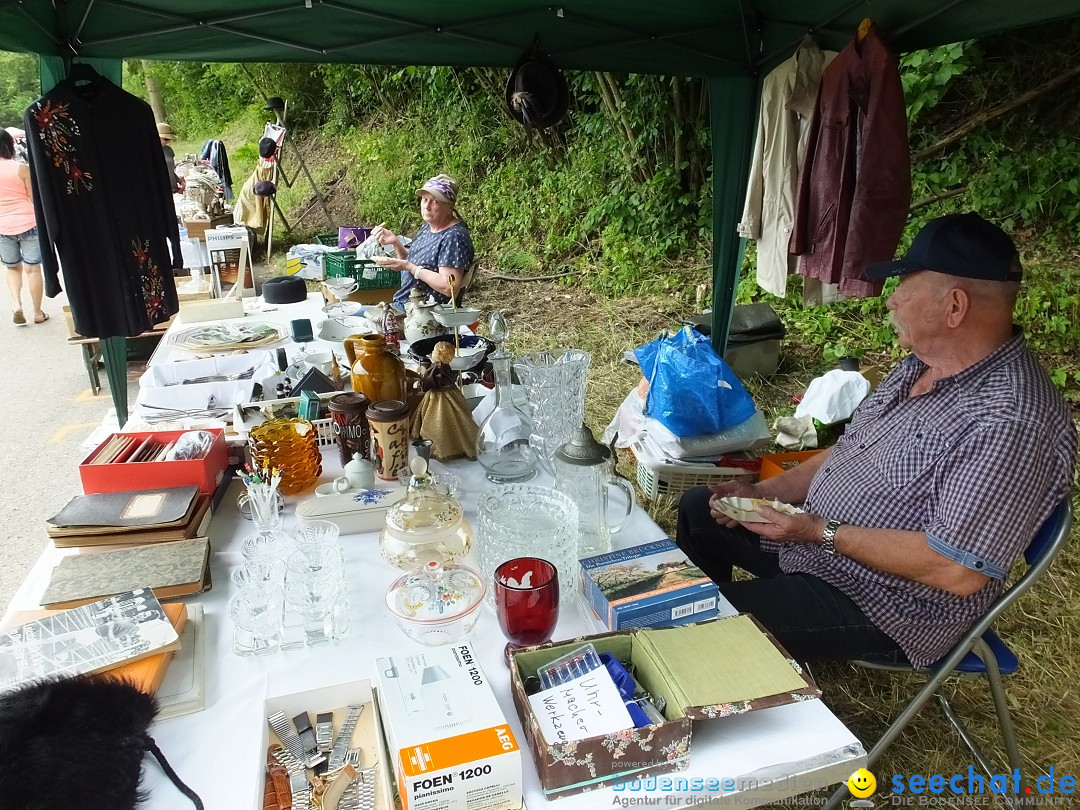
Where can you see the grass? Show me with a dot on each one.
(1043, 629)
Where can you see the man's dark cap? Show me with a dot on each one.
(275, 103)
(264, 188)
(267, 147)
(964, 245)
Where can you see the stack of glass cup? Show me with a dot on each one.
(316, 597)
(290, 591)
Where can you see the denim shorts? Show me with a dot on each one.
(22, 248)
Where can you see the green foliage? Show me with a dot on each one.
(19, 86)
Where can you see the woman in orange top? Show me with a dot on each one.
(19, 249)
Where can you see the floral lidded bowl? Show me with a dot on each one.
(437, 603)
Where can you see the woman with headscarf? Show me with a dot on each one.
(20, 251)
(442, 250)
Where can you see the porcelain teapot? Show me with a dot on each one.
(420, 320)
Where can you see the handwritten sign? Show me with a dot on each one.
(584, 707)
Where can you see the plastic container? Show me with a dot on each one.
(367, 274)
(655, 478)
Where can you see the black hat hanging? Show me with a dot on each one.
(275, 103)
(537, 94)
(267, 148)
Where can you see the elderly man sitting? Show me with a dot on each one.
(913, 520)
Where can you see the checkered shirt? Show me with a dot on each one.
(978, 464)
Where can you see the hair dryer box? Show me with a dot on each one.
(449, 741)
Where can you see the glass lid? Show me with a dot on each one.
(435, 592)
(425, 509)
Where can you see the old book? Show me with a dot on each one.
(169, 569)
(192, 526)
(140, 508)
(148, 674)
(183, 690)
(92, 638)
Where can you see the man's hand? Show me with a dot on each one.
(801, 528)
(729, 489)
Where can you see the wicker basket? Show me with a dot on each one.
(655, 478)
(367, 274)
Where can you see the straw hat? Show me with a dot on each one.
(166, 132)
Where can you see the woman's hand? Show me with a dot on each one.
(385, 236)
(401, 265)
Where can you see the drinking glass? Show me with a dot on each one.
(270, 543)
(260, 571)
(316, 534)
(257, 614)
(526, 601)
(318, 596)
(523, 520)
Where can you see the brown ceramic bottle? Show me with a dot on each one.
(376, 373)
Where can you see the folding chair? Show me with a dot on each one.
(980, 653)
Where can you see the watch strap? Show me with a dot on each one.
(828, 536)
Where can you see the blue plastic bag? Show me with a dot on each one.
(692, 391)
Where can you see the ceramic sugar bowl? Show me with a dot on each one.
(426, 525)
(437, 604)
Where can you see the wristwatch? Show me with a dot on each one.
(828, 536)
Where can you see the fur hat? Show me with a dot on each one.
(90, 727)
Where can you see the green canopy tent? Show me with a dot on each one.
(732, 43)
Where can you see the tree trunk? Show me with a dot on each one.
(153, 93)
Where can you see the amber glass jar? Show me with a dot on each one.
(289, 445)
(376, 373)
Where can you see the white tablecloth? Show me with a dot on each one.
(771, 754)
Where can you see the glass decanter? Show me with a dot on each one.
(503, 445)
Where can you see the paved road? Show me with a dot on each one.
(50, 413)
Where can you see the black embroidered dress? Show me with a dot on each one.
(103, 200)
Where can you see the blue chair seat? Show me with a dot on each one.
(971, 664)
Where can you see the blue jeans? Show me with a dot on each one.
(811, 619)
(22, 248)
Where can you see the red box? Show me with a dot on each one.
(205, 472)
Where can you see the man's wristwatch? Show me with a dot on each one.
(828, 536)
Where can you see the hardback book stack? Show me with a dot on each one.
(142, 516)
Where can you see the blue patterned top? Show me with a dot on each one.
(451, 247)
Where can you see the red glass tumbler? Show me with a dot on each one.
(527, 601)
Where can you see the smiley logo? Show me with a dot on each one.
(862, 783)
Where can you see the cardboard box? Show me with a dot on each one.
(700, 671)
(195, 296)
(449, 741)
(71, 323)
(211, 309)
(367, 735)
(196, 228)
(651, 585)
(205, 473)
(375, 296)
(780, 462)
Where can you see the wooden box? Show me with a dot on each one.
(197, 227)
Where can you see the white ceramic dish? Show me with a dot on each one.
(744, 510)
(462, 316)
(353, 512)
(335, 330)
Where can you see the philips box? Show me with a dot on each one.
(652, 585)
(449, 741)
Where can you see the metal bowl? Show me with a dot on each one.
(474, 351)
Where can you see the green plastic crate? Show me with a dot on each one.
(367, 274)
(327, 239)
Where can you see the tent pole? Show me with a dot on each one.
(732, 107)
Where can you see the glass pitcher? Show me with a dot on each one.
(555, 384)
(585, 474)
